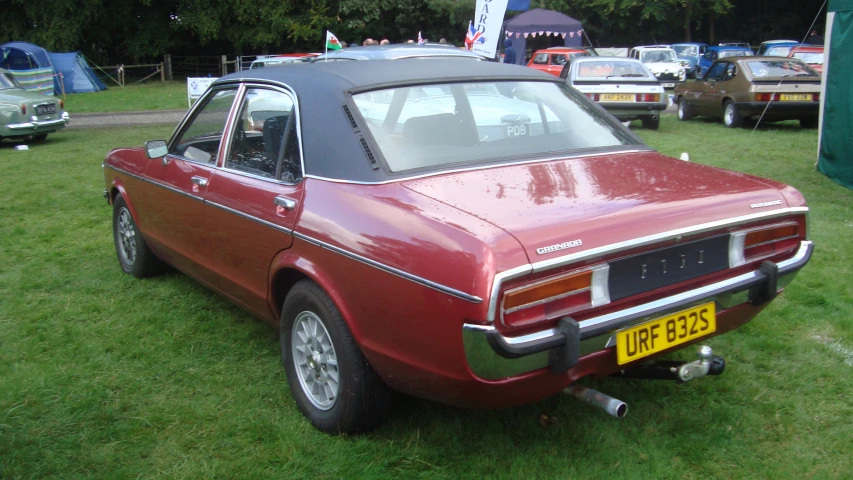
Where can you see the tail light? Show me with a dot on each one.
(816, 97)
(23, 109)
(766, 97)
(556, 296)
(593, 96)
(648, 97)
(751, 245)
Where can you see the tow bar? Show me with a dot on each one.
(707, 364)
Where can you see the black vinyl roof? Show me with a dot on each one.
(331, 146)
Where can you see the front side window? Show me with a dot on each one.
(717, 72)
(540, 59)
(431, 126)
(265, 142)
(199, 140)
(558, 59)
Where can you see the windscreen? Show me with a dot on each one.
(612, 69)
(687, 50)
(810, 57)
(433, 126)
(658, 56)
(779, 68)
(8, 81)
(735, 53)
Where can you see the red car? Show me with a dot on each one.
(551, 60)
(472, 233)
(812, 55)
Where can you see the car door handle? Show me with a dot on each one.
(284, 202)
(200, 181)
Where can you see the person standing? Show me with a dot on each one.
(509, 52)
(815, 38)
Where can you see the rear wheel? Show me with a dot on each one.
(731, 115)
(685, 113)
(134, 256)
(810, 122)
(330, 379)
(40, 138)
(651, 123)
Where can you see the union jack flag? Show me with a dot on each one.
(473, 36)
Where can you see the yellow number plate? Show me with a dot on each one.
(797, 97)
(665, 332)
(617, 97)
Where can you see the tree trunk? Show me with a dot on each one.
(711, 17)
(687, 23)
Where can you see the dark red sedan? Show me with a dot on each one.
(473, 233)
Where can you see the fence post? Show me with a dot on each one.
(224, 65)
(162, 73)
(167, 66)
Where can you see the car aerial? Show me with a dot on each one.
(690, 53)
(478, 234)
(812, 55)
(739, 88)
(622, 86)
(714, 53)
(552, 60)
(396, 52)
(776, 48)
(663, 62)
(26, 115)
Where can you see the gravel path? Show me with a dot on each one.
(126, 119)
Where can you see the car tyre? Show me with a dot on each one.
(685, 112)
(810, 122)
(134, 255)
(731, 115)
(651, 123)
(330, 379)
(40, 138)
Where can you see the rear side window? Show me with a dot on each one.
(265, 141)
(540, 59)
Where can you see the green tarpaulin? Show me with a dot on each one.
(836, 141)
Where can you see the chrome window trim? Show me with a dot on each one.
(621, 246)
(352, 255)
(281, 88)
(478, 167)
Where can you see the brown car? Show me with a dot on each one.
(739, 88)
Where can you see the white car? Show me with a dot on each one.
(663, 62)
(622, 86)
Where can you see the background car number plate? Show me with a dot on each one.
(668, 85)
(45, 109)
(617, 97)
(665, 332)
(802, 97)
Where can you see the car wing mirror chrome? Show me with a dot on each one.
(156, 148)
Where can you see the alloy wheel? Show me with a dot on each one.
(315, 360)
(126, 236)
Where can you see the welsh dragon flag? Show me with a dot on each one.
(332, 42)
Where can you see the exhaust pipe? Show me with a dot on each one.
(612, 406)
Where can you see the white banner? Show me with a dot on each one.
(196, 86)
(488, 18)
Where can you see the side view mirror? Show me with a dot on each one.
(156, 148)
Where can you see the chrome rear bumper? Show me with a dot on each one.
(34, 125)
(492, 355)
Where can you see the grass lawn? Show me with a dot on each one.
(152, 95)
(106, 376)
